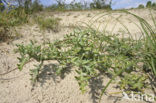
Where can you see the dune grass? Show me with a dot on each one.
(50, 23)
(149, 42)
(10, 19)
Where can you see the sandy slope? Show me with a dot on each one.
(16, 87)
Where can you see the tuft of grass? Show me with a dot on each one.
(149, 35)
(88, 15)
(13, 18)
(4, 34)
(49, 23)
(10, 19)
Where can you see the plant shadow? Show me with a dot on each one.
(49, 71)
(152, 83)
(95, 84)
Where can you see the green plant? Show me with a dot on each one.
(76, 6)
(88, 50)
(36, 6)
(133, 82)
(10, 19)
(141, 6)
(154, 5)
(149, 4)
(48, 23)
(14, 17)
(51, 8)
(93, 52)
(88, 15)
(149, 42)
(2, 7)
(101, 4)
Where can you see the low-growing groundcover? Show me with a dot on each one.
(94, 52)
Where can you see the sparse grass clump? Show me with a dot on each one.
(10, 19)
(4, 34)
(13, 18)
(49, 23)
(149, 44)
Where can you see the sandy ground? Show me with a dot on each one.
(16, 86)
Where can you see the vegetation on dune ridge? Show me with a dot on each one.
(48, 23)
(11, 18)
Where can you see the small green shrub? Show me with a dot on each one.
(56, 7)
(88, 15)
(51, 8)
(36, 6)
(101, 4)
(154, 5)
(76, 6)
(149, 4)
(14, 17)
(49, 23)
(141, 6)
(2, 7)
